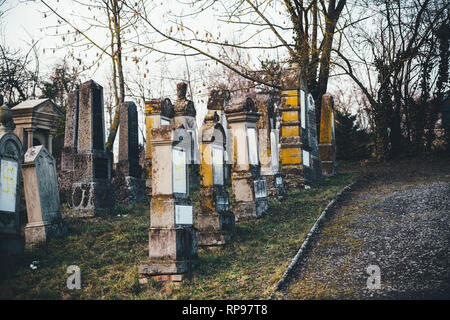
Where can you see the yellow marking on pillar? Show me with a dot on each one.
(325, 125)
(148, 109)
(289, 98)
(291, 156)
(148, 128)
(289, 116)
(289, 131)
(206, 171)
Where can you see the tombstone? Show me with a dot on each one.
(36, 121)
(158, 112)
(214, 220)
(268, 144)
(65, 175)
(249, 187)
(11, 243)
(92, 164)
(185, 115)
(311, 162)
(173, 242)
(129, 188)
(41, 196)
(327, 145)
(217, 100)
(292, 115)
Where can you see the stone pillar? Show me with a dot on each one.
(311, 162)
(249, 188)
(291, 152)
(41, 196)
(327, 145)
(217, 101)
(65, 175)
(214, 220)
(173, 242)
(185, 115)
(11, 244)
(128, 186)
(157, 113)
(91, 190)
(268, 144)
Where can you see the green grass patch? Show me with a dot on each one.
(109, 248)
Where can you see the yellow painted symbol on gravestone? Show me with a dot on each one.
(8, 179)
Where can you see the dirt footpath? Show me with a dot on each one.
(397, 221)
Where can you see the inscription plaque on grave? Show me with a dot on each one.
(252, 146)
(8, 184)
(279, 181)
(274, 151)
(260, 188)
(183, 215)
(179, 171)
(164, 121)
(217, 161)
(305, 158)
(303, 109)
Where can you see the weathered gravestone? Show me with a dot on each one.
(311, 162)
(214, 220)
(185, 115)
(249, 187)
(291, 153)
(36, 122)
(173, 242)
(92, 163)
(217, 101)
(157, 113)
(65, 175)
(41, 196)
(128, 186)
(268, 143)
(11, 243)
(327, 145)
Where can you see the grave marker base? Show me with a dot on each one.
(39, 232)
(214, 228)
(89, 198)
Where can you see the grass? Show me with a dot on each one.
(109, 248)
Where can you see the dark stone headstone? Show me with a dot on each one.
(129, 187)
(11, 243)
(92, 163)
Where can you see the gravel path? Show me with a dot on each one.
(397, 220)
